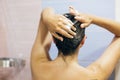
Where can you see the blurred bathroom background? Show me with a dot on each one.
(19, 22)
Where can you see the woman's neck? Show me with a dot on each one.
(73, 58)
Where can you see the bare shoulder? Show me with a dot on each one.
(106, 63)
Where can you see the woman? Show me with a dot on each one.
(66, 67)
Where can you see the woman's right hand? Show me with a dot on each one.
(57, 24)
(84, 18)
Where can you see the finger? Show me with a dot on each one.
(73, 11)
(84, 25)
(62, 17)
(70, 23)
(73, 28)
(57, 36)
(68, 28)
(66, 20)
(81, 19)
(64, 33)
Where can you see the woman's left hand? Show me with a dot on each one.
(84, 18)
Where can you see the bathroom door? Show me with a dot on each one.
(97, 38)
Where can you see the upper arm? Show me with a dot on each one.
(108, 60)
(41, 45)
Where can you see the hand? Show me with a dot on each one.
(57, 24)
(85, 19)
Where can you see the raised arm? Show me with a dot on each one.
(42, 44)
(49, 23)
(107, 62)
(87, 19)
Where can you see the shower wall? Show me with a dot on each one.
(18, 25)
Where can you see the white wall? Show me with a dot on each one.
(117, 10)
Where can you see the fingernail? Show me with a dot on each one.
(75, 29)
(74, 34)
(82, 26)
(76, 17)
(72, 37)
(71, 23)
(61, 39)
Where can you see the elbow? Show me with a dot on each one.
(47, 10)
(46, 13)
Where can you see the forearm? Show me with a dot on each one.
(108, 24)
(87, 19)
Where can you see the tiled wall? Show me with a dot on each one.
(18, 25)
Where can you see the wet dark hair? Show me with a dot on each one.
(68, 46)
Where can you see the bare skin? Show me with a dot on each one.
(67, 67)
